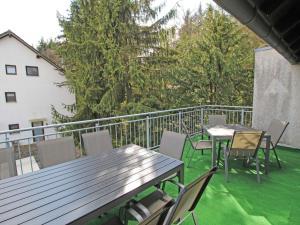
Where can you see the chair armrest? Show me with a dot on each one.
(135, 214)
(135, 204)
(181, 186)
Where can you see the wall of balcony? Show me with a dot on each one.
(277, 93)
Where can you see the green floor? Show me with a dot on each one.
(242, 200)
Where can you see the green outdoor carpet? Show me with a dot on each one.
(242, 201)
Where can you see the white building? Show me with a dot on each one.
(28, 87)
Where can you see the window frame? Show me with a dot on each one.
(6, 97)
(9, 65)
(32, 75)
(38, 139)
(12, 129)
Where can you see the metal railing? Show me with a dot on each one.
(144, 129)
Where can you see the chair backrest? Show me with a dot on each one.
(276, 130)
(246, 140)
(214, 120)
(97, 142)
(56, 151)
(7, 163)
(172, 144)
(188, 198)
(186, 131)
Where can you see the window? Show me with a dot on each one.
(10, 96)
(11, 69)
(38, 133)
(14, 126)
(32, 71)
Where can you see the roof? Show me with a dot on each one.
(275, 21)
(9, 33)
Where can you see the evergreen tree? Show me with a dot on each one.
(215, 61)
(49, 49)
(111, 51)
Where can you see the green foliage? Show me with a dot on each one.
(120, 57)
(215, 61)
(49, 49)
(111, 50)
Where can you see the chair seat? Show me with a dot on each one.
(155, 201)
(113, 221)
(203, 144)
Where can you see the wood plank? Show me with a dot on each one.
(131, 190)
(70, 164)
(17, 201)
(66, 172)
(78, 199)
(80, 189)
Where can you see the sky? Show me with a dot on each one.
(34, 19)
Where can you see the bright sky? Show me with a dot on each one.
(33, 19)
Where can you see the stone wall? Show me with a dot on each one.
(277, 93)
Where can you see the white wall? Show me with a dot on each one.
(35, 95)
(277, 93)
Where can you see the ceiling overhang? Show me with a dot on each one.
(275, 21)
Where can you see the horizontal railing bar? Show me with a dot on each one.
(114, 118)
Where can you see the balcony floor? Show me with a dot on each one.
(242, 200)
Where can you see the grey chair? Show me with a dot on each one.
(181, 208)
(172, 144)
(199, 145)
(151, 213)
(56, 151)
(244, 145)
(160, 209)
(7, 163)
(276, 130)
(97, 142)
(214, 120)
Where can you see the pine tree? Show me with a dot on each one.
(110, 51)
(217, 60)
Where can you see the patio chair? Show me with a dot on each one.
(196, 145)
(153, 215)
(185, 203)
(56, 151)
(97, 142)
(214, 120)
(160, 209)
(244, 145)
(7, 163)
(276, 130)
(172, 144)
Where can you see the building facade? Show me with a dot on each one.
(29, 86)
(276, 93)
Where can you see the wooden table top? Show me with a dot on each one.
(76, 191)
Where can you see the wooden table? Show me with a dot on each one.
(76, 191)
(225, 132)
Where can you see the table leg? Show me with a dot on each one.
(180, 175)
(267, 154)
(214, 152)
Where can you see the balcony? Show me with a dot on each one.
(241, 201)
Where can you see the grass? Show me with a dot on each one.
(242, 201)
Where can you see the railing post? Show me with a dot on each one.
(202, 116)
(180, 121)
(148, 132)
(6, 139)
(242, 116)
